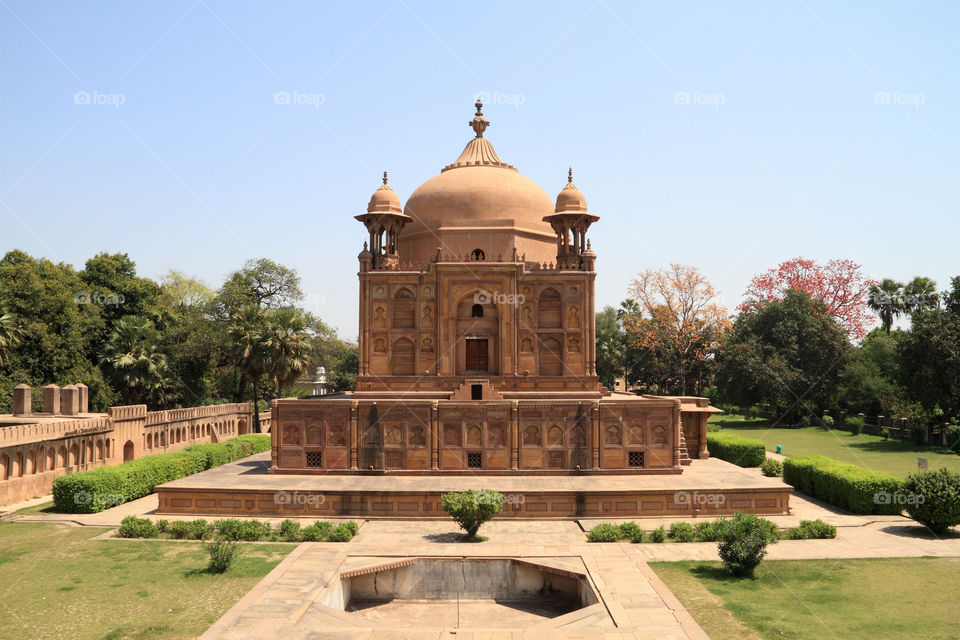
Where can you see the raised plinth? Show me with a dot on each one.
(707, 487)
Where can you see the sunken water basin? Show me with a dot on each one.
(459, 592)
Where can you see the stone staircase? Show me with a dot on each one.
(684, 454)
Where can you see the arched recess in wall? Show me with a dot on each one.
(128, 451)
(404, 309)
(551, 357)
(548, 309)
(402, 358)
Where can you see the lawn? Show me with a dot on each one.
(873, 452)
(58, 583)
(880, 599)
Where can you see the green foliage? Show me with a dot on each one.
(934, 499)
(928, 356)
(855, 425)
(742, 542)
(810, 529)
(885, 434)
(341, 533)
(740, 451)
(659, 534)
(847, 486)
(134, 527)
(682, 532)
(630, 531)
(604, 532)
(918, 433)
(771, 468)
(179, 529)
(953, 437)
(223, 552)
(708, 531)
(97, 489)
(162, 525)
(289, 531)
(316, 532)
(827, 421)
(472, 508)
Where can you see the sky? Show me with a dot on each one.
(194, 135)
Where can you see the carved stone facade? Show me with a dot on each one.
(477, 343)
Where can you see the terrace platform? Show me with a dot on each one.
(706, 487)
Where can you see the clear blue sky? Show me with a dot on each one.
(785, 149)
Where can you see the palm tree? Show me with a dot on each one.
(131, 360)
(886, 299)
(920, 294)
(249, 336)
(286, 345)
(10, 335)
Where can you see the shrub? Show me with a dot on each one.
(162, 526)
(604, 532)
(810, 529)
(341, 533)
(855, 425)
(659, 534)
(918, 434)
(222, 553)
(708, 531)
(843, 485)
(953, 436)
(133, 527)
(199, 529)
(179, 529)
(754, 412)
(885, 433)
(631, 531)
(741, 451)
(98, 489)
(936, 498)
(771, 467)
(743, 542)
(682, 532)
(353, 526)
(246, 530)
(289, 531)
(827, 421)
(472, 508)
(316, 532)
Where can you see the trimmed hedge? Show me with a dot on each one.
(98, 489)
(843, 485)
(744, 452)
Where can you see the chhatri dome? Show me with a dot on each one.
(384, 199)
(479, 201)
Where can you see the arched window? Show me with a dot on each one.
(476, 311)
(404, 310)
(549, 309)
(477, 254)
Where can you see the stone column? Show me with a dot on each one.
(353, 436)
(70, 400)
(84, 397)
(434, 434)
(595, 430)
(51, 399)
(703, 454)
(22, 400)
(514, 435)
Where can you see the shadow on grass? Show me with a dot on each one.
(453, 537)
(918, 531)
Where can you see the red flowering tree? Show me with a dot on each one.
(839, 284)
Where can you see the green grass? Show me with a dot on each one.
(880, 599)
(872, 452)
(43, 507)
(57, 583)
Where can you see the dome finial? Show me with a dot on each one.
(384, 177)
(479, 123)
(569, 175)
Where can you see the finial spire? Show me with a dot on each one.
(479, 123)
(569, 175)
(384, 178)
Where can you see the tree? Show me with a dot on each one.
(472, 508)
(868, 383)
(886, 298)
(247, 336)
(838, 284)
(10, 335)
(920, 294)
(131, 359)
(611, 346)
(679, 321)
(285, 345)
(261, 282)
(784, 352)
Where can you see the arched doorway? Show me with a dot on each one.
(551, 357)
(128, 451)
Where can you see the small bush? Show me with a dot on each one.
(472, 508)
(162, 525)
(659, 534)
(827, 421)
(289, 531)
(811, 529)
(353, 526)
(631, 531)
(316, 532)
(743, 542)
(754, 412)
(199, 529)
(222, 553)
(179, 530)
(885, 433)
(771, 468)
(855, 425)
(918, 434)
(133, 527)
(744, 452)
(936, 498)
(604, 532)
(246, 530)
(341, 533)
(708, 531)
(843, 485)
(682, 532)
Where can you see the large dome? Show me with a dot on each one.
(478, 202)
